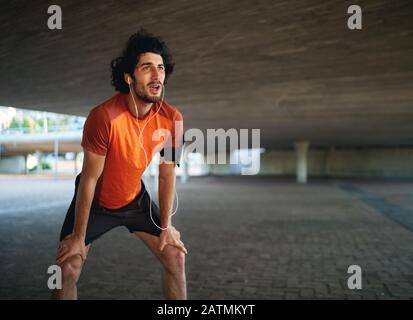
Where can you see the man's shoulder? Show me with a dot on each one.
(109, 109)
(170, 112)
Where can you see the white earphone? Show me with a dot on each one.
(140, 139)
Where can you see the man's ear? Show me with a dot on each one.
(127, 78)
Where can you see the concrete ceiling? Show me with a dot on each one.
(290, 68)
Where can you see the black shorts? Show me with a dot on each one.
(135, 216)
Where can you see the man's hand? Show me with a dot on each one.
(71, 246)
(172, 237)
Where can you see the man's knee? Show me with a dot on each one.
(71, 269)
(173, 259)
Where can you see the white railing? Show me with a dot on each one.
(22, 131)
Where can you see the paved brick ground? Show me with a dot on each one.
(248, 238)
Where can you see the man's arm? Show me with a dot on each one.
(92, 169)
(166, 191)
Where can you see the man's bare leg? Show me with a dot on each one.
(173, 262)
(71, 269)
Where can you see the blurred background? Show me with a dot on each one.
(334, 109)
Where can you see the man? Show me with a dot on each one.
(119, 140)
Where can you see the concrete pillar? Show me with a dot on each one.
(184, 166)
(301, 148)
(184, 172)
(26, 169)
(207, 168)
(75, 160)
(39, 156)
(56, 156)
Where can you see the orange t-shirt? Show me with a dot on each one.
(111, 130)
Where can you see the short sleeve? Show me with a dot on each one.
(96, 131)
(172, 150)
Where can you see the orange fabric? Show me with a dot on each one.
(111, 130)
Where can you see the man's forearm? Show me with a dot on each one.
(166, 197)
(84, 200)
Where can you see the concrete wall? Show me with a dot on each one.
(369, 163)
(13, 165)
(221, 169)
(375, 162)
(397, 163)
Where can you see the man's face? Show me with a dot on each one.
(149, 76)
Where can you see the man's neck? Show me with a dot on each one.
(142, 106)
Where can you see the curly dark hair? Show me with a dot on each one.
(140, 42)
